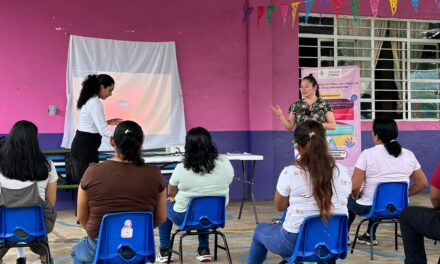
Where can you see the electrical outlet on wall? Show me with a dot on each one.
(52, 110)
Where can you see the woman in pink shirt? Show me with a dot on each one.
(387, 161)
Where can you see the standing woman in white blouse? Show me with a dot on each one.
(92, 125)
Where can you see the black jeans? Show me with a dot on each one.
(415, 224)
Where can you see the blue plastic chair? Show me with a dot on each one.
(389, 201)
(206, 212)
(23, 227)
(126, 237)
(321, 242)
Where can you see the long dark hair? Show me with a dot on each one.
(20, 157)
(386, 130)
(314, 83)
(317, 161)
(128, 138)
(200, 151)
(91, 87)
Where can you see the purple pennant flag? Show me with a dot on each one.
(247, 11)
(324, 4)
(322, 7)
(309, 5)
(438, 3)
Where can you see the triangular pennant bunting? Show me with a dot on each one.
(322, 5)
(284, 8)
(355, 7)
(374, 4)
(393, 6)
(270, 9)
(294, 9)
(247, 11)
(338, 5)
(260, 14)
(309, 5)
(438, 3)
(415, 4)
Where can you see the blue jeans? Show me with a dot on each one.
(84, 251)
(358, 209)
(177, 218)
(273, 238)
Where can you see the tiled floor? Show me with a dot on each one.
(239, 235)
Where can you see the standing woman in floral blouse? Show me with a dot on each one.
(311, 106)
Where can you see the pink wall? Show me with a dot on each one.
(230, 73)
(210, 41)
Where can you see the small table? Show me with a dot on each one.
(246, 178)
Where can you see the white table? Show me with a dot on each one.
(246, 178)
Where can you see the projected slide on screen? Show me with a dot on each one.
(143, 98)
(147, 87)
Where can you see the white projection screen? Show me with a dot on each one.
(147, 87)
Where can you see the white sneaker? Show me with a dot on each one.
(203, 255)
(162, 256)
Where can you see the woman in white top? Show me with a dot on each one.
(92, 125)
(314, 185)
(25, 169)
(387, 161)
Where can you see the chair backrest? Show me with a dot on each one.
(22, 224)
(319, 242)
(205, 212)
(389, 200)
(126, 237)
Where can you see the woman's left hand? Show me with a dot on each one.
(114, 121)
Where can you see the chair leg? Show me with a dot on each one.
(371, 239)
(181, 247)
(170, 251)
(395, 235)
(46, 246)
(228, 254)
(215, 246)
(356, 235)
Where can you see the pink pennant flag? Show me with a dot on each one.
(284, 8)
(374, 4)
(338, 5)
(294, 9)
(260, 14)
(393, 6)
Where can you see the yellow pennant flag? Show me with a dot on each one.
(393, 5)
(294, 10)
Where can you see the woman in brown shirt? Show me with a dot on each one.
(122, 184)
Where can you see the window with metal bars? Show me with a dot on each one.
(399, 61)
